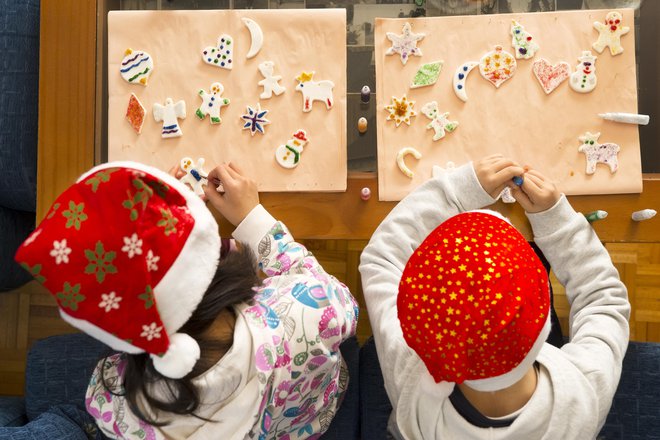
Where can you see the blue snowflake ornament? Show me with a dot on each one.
(254, 119)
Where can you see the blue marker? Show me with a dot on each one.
(518, 180)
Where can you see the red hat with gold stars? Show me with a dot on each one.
(474, 302)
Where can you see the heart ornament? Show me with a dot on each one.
(550, 76)
(221, 55)
(497, 66)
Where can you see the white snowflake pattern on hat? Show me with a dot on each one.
(110, 301)
(151, 261)
(60, 251)
(132, 245)
(151, 331)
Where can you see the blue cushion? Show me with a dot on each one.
(12, 411)
(375, 406)
(15, 226)
(62, 422)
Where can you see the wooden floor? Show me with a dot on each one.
(29, 313)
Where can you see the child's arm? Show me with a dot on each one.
(383, 260)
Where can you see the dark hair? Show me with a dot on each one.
(233, 283)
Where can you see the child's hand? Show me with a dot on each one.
(536, 193)
(495, 172)
(240, 194)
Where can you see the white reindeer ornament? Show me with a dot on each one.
(596, 152)
(314, 91)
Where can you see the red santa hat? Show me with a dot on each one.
(474, 302)
(300, 135)
(128, 252)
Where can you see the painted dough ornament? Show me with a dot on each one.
(460, 76)
(270, 83)
(522, 41)
(497, 66)
(254, 120)
(584, 79)
(170, 114)
(256, 36)
(439, 122)
(135, 113)
(288, 155)
(195, 174)
(427, 74)
(610, 33)
(405, 44)
(550, 76)
(598, 153)
(401, 155)
(314, 91)
(136, 67)
(401, 110)
(506, 195)
(212, 103)
(222, 54)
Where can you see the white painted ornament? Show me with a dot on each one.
(460, 77)
(400, 160)
(405, 44)
(256, 37)
(255, 119)
(644, 214)
(195, 175)
(506, 196)
(222, 54)
(549, 76)
(314, 91)
(136, 67)
(497, 66)
(270, 83)
(212, 103)
(288, 155)
(596, 152)
(400, 110)
(169, 114)
(523, 42)
(610, 33)
(440, 122)
(584, 79)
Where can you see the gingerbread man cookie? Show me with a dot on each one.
(610, 33)
(598, 153)
(212, 103)
(439, 122)
(195, 174)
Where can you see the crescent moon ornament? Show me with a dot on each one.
(257, 36)
(460, 76)
(401, 155)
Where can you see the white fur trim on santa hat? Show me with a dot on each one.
(100, 334)
(507, 379)
(180, 357)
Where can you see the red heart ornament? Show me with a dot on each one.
(550, 76)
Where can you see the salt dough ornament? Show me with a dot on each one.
(401, 110)
(405, 44)
(400, 162)
(135, 113)
(254, 120)
(522, 41)
(427, 74)
(506, 195)
(314, 91)
(497, 66)
(598, 153)
(270, 83)
(256, 36)
(288, 155)
(195, 174)
(439, 122)
(212, 103)
(222, 55)
(610, 33)
(170, 114)
(584, 79)
(549, 76)
(460, 76)
(136, 67)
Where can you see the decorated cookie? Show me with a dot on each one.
(610, 33)
(288, 155)
(400, 110)
(314, 91)
(256, 35)
(584, 78)
(497, 66)
(427, 74)
(195, 174)
(598, 153)
(405, 44)
(550, 76)
(254, 120)
(460, 76)
(439, 122)
(135, 113)
(522, 41)
(170, 114)
(136, 67)
(270, 83)
(401, 155)
(506, 195)
(212, 103)
(222, 55)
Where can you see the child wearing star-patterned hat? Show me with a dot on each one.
(460, 310)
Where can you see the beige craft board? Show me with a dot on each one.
(296, 41)
(518, 119)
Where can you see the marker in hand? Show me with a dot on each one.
(518, 180)
(199, 176)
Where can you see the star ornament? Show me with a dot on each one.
(405, 44)
(400, 110)
(254, 119)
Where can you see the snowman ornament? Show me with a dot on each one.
(584, 80)
(288, 155)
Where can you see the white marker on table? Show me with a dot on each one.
(628, 118)
(644, 214)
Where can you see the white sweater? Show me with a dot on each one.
(576, 384)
